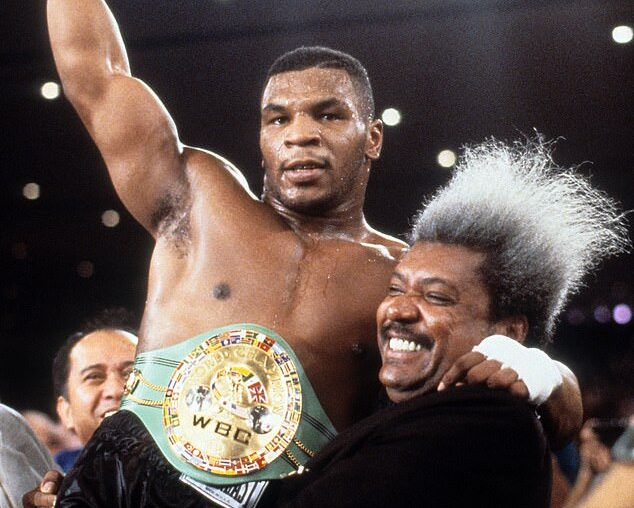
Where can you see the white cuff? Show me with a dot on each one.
(535, 368)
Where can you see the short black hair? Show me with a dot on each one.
(321, 57)
(113, 318)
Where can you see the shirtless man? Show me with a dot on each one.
(301, 262)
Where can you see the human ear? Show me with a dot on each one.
(515, 327)
(64, 413)
(375, 140)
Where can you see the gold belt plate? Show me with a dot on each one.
(233, 405)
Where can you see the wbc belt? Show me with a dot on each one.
(229, 406)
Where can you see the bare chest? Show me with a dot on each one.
(319, 297)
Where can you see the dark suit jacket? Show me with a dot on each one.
(466, 446)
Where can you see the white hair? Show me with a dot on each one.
(541, 226)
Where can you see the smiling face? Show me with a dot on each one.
(436, 310)
(316, 144)
(99, 365)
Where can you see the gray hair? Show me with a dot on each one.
(541, 227)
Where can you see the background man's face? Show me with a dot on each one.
(314, 140)
(99, 365)
(436, 310)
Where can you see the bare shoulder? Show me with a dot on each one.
(202, 165)
(199, 200)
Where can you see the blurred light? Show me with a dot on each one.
(622, 34)
(391, 117)
(575, 317)
(85, 269)
(19, 250)
(110, 218)
(50, 90)
(622, 314)
(446, 158)
(31, 191)
(602, 314)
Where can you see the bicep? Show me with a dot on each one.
(139, 143)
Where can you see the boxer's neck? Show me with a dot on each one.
(345, 222)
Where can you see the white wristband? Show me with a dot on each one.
(535, 368)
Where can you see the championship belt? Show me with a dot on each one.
(229, 406)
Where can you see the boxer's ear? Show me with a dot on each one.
(375, 140)
(515, 327)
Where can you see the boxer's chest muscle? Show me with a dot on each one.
(316, 294)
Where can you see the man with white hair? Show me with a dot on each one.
(499, 250)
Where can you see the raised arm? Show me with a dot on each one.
(132, 129)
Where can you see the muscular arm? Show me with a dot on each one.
(133, 131)
(561, 412)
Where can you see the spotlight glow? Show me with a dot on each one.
(622, 34)
(391, 117)
(446, 158)
(31, 191)
(622, 314)
(50, 90)
(602, 314)
(110, 218)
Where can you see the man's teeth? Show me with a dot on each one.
(404, 345)
(109, 413)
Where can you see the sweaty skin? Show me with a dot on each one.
(302, 261)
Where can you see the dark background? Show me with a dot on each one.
(459, 71)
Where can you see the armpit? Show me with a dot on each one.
(171, 218)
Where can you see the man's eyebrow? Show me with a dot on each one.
(93, 366)
(275, 108)
(434, 280)
(330, 102)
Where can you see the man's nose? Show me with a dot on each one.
(402, 309)
(302, 131)
(113, 386)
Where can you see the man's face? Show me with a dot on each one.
(315, 141)
(436, 310)
(99, 365)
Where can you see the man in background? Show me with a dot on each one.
(51, 433)
(89, 373)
